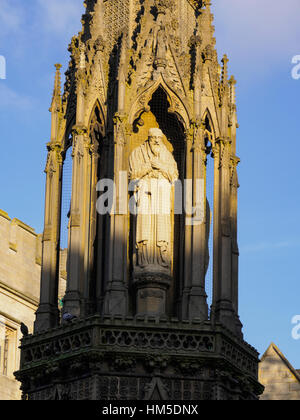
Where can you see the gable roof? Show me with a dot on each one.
(274, 349)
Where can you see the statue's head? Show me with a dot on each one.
(155, 140)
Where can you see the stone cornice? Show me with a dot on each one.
(22, 225)
(20, 297)
(193, 339)
(4, 215)
(18, 223)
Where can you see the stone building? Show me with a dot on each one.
(20, 269)
(20, 272)
(146, 105)
(281, 380)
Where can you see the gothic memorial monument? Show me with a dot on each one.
(146, 108)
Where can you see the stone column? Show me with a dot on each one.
(116, 292)
(73, 301)
(47, 315)
(216, 233)
(223, 305)
(198, 307)
(90, 223)
(234, 185)
(235, 248)
(74, 294)
(103, 229)
(187, 229)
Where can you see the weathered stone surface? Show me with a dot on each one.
(192, 362)
(19, 294)
(20, 270)
(281, 380)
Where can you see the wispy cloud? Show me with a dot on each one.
(11, 16)
(258, 33)
(11, 98)
(265, 246)
(34, 31)
(43, 18)
(60, 16)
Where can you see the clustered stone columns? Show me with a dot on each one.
(234, 185)
(222, 281)
(196, 253)
(115, 299)
(47, 314)
(89, 293)
(115, 302)
(187, 234)
(225, 284)
(198, 298)
(235, 247)
(73, 301)
(74, 295)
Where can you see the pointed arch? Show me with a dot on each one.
(159, 107)
(97, 107)
(156, 391)
(68, 136)
(210, 135)
(208, 121)
(177, 105)
(97, 169)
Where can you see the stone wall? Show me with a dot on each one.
(20, 269)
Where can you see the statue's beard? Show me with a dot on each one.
(155, 149)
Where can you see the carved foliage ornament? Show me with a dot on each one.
(163, 5)
(198, 4)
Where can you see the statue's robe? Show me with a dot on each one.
(153, 195)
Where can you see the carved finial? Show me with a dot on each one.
(198, 4)
(195, 40)
(205, 22)
(225, 61)
(232, 80)
(56, 98)
(82, 62)
(207, 4)
(232, 84)
(208, 53)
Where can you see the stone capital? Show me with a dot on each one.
(235, 160)
(47, 235)
(54, 147)
(75, 220)
(224, 141)
(195, 41)
(199, 148)
(79, 130)
(119, 118)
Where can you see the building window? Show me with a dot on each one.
(8, 347)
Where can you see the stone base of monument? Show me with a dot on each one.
(139, 358)
(151, 292)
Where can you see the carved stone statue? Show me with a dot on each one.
(153, 168)
(160, 42)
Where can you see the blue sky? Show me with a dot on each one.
(260, 39)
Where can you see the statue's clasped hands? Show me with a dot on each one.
(156, 164)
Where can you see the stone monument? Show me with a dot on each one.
(144, 96)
